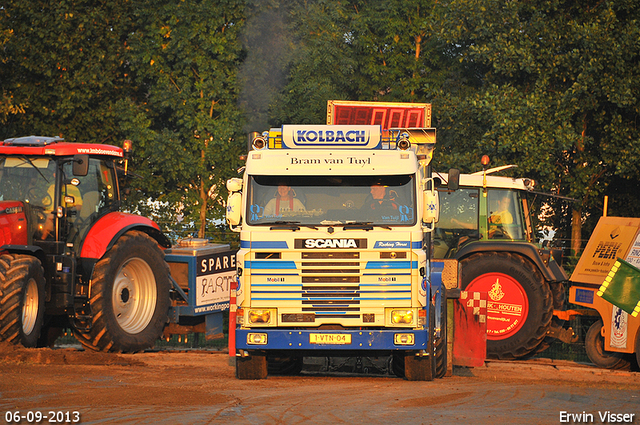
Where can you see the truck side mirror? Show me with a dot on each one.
(430, 203)
(80, 165)
(234, 209)
(453, 181)
(431, 207)
(234, 185)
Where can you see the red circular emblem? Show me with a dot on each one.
(507, 304)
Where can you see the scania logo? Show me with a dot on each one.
(330, 243)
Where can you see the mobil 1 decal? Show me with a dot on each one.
(214, 275)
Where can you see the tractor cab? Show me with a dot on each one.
(497, 212)
(56, 197)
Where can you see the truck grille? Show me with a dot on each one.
(332, 285)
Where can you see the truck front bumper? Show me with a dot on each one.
(347, 340)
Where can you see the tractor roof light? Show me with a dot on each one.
(126, 146)
(529, 183)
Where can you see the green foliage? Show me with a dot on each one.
(557, 90)
(63, 64)
(185, 121)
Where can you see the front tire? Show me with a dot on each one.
(520, 302)
(252, 367)
(21, 299)
(594, 346)
(129, 296)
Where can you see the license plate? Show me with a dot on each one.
(341, 339)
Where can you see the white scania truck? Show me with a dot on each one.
(335, 227)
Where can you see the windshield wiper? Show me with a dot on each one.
(364, 225)
(34, 166)
(290, 225)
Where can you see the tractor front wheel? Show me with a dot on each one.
(594, 346)
(21, 299)
(129, 296)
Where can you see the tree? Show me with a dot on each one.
(185, 119)
(557, 91)
(360, 50)
(62, 68)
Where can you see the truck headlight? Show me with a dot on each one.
(256, 338)
(403, 339)
(260, 316)
(401, 317)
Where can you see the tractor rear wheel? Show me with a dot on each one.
(21, 299)
(129, 296)
(520, 302)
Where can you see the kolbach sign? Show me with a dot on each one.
(331, 136)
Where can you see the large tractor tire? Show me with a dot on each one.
(594, 346)
(21, 299)
(520, 302)
(129, 296)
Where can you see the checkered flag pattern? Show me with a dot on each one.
(476, 301)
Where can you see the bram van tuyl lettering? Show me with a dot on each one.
(350, 160)
(604, 417)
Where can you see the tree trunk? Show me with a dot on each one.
(203, 210)
(576, 232)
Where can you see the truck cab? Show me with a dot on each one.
(334, 226)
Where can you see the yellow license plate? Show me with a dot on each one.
(342, 339)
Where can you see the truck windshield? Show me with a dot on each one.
(332, 200)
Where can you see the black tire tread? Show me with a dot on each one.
(594, 346)
(14, 271)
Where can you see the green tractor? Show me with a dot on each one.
(486, 226)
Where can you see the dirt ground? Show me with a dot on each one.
(199, 387)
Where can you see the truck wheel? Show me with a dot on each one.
(594, 346)
(21, 299)
(286, 366)
(129, 296)
(440, 342)
(520, 303)
(423, 368)
(251, 367)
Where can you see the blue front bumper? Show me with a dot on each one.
(380, 340)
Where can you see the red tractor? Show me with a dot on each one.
(69, 257)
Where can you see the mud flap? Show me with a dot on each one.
(470, 329)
